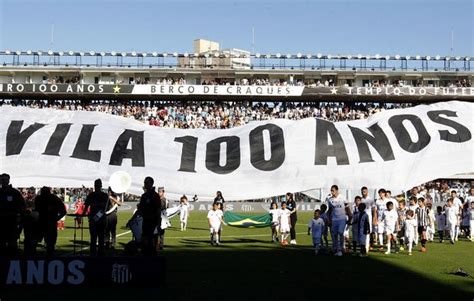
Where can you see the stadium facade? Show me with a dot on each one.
(258, 77)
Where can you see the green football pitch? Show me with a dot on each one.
(248, 264)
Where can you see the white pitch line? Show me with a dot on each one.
(85, 248)
(124, 233)
(88, 236)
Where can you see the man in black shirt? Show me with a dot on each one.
(31, 223)
(12, 207)
(164, 206)
(111, 225)
(150, 210)
(50, 209)
(291, 205)
(97, 201)
(219, 200)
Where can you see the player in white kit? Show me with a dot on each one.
(410, 229)
(316, 227)
(381, 206)
(214, 216)
(285, 223)
(470, 197)
(275, 213)
(430, 231)
(451, 219)
(370, 210)
(389, 219)
(388, 196)
(413, 206)
(337, 212)
(458, 205)
(183, 212)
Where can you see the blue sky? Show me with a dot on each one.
(339, 27)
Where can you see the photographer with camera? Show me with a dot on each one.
(97, 201)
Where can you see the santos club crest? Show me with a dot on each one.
(121, 273)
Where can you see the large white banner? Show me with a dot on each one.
(395, 149)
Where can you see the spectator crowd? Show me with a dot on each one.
(214, 115)
(326, 81)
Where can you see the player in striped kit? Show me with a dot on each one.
(402, 212)
(423, 220)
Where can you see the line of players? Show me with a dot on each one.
(385, 221)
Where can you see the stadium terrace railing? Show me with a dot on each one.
(221, 61)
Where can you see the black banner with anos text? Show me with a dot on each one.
(127, 91)
(83, 271)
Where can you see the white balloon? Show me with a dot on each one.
(120, 181)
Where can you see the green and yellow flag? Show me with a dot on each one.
(247, 221)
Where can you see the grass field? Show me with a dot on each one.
(247, 263)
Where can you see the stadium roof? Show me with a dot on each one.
(234, 55)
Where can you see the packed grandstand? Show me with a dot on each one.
(214, 115)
